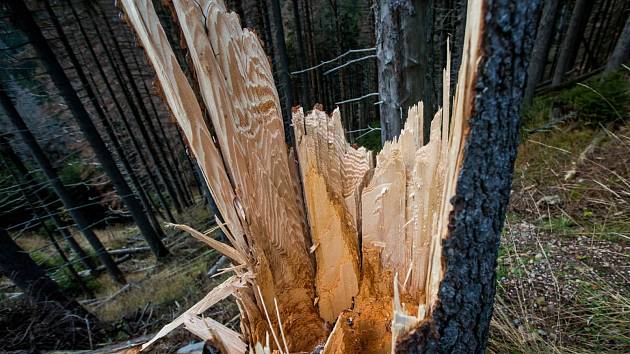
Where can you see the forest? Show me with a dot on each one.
(341, 176)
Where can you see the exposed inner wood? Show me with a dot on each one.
(332, 175)
(374, 230)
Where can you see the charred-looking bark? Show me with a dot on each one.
(22, 17)
(461, 317)
(571, 42)
(17, 265)
(403, 37)
(622, 49)
(540, 53)
(69, 203)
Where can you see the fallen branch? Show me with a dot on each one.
(349, 63)
(358, 98)
(124, 251)
(333, 60)
(220, 263)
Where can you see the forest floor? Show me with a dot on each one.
(564, 262)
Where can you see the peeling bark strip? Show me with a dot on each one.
(404, 249)
(462, 316)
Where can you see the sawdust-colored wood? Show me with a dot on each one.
(332, 175)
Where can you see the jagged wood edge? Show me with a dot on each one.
(461, 317)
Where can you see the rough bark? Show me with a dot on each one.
(69, 203)
(461, 318)
(622, 49)
(404, 70)
(540, 53)
(572, 39)
(23, 18)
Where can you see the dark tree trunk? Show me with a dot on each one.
(572, 39)
(458, 40)
(22, 17)
(17, 265)
(461, 318)
(540, 53)
(21, 174)
(179, 167)
(161, 155)
(136, 144)
(36, 205)
(404, 69)
(282, 61)
(622, 49)
(135, 114)
(306, 98)
(68, 202)
(266, 28)
(153, 234)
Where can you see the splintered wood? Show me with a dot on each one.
(350, 258)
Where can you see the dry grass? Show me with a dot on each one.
(563, 276)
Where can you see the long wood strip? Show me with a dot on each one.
(185, 108)
(332, 173)
(237, 88)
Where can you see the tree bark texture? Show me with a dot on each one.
(461, 318)
(544, 37)
(572, 39)
(403, 32)
(23, 18)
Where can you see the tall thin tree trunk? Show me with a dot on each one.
(404, 69)
(136, 144)
(283, 67)
(299, 40)
(572, 39)
(22, 16)
(622, 49)
(540, 53)
(66, 198)
(161, 157)
(17, 265)
(155, 226)
(20, 172)
(179, 167)
(458, 40)
(135, 114)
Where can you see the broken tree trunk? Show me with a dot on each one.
(340, 254)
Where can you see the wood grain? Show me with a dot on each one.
(332, 175)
